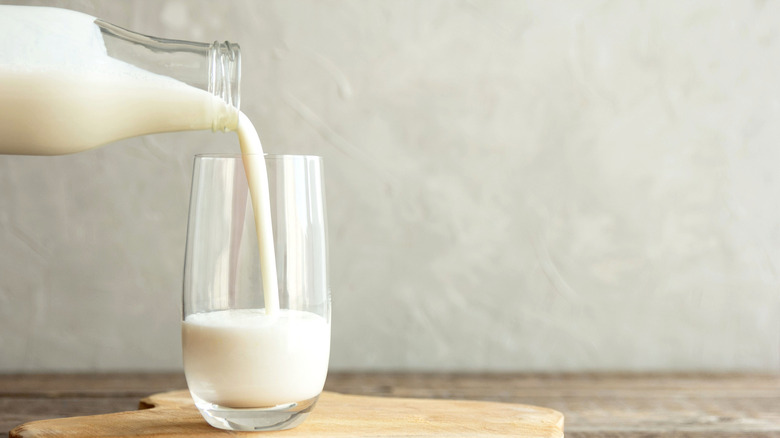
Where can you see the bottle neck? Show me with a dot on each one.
(225, 80)
(215, 67)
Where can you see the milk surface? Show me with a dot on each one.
(248, 359)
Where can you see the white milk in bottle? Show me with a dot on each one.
(62, 92)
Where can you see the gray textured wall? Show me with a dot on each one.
(511, 185)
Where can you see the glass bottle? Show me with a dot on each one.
(71, 82)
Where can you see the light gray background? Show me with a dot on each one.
(511, 186)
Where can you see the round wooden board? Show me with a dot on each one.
(173, 414)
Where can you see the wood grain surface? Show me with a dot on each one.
(173, 415)
(611, 405)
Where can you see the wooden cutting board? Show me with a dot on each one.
(173, 414)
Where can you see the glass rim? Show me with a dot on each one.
(266, 155)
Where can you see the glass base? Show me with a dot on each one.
(278, 417)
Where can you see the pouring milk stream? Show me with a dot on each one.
(70, 82)
(61, 92)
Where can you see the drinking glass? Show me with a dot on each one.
(249, 367)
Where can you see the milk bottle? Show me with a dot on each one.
(70, 82)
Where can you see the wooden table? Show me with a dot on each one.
(595, 405)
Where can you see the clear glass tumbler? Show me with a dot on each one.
(249, 367)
